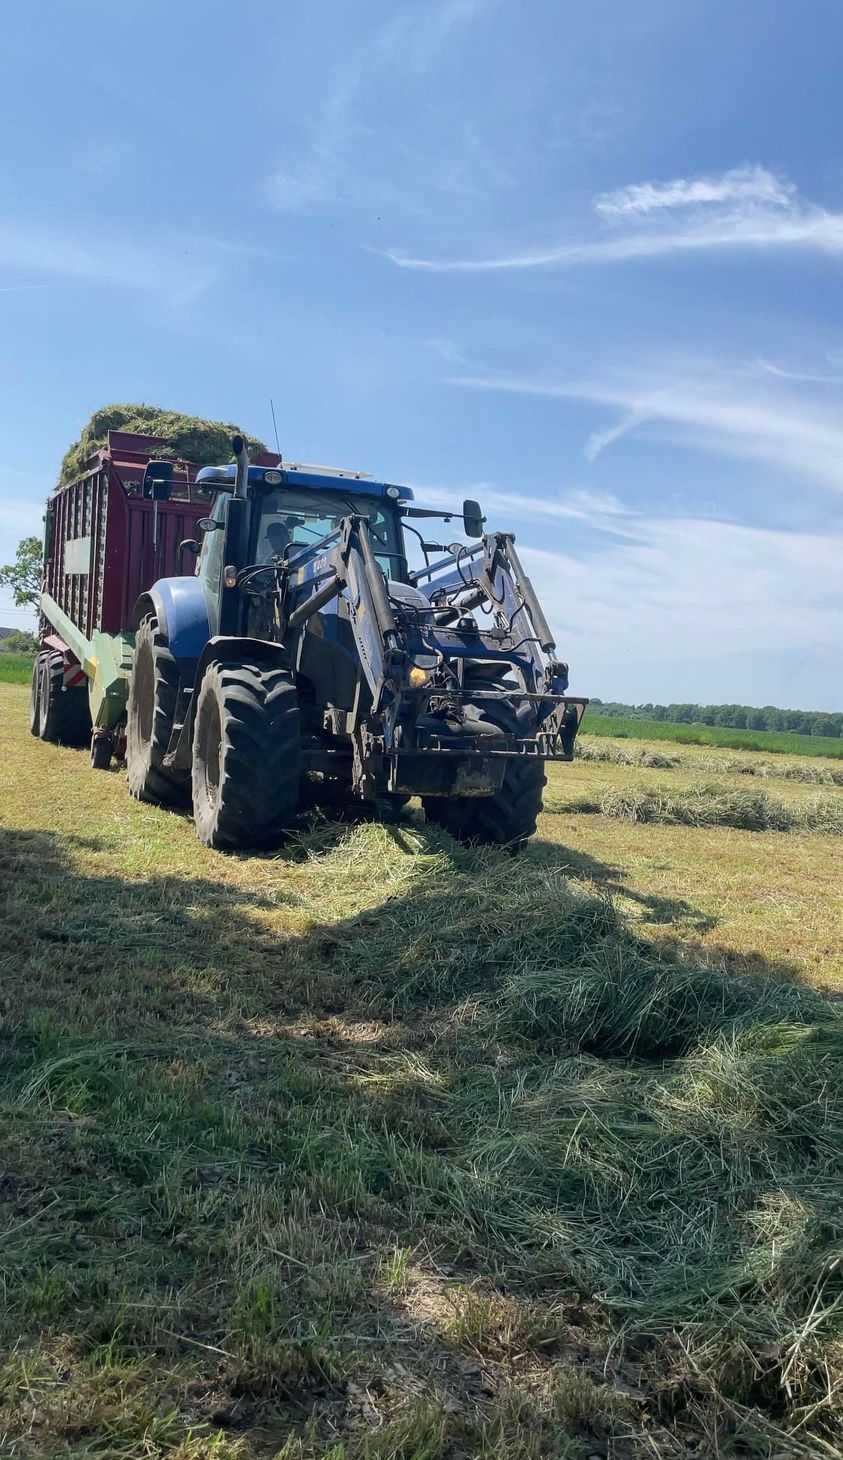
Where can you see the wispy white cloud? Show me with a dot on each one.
(415, 34)
(657, 591)
(720, 413)
(813, 230)
(800, 376)
(180, 267)
(747, 185)
(602, 511)
(762, 213)
(324, 164)
(447, 349)
(298, 192)
(599, 440)
(643, 604)
(683, 606)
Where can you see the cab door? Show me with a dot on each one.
(212, 558)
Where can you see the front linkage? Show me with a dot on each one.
(425, 664)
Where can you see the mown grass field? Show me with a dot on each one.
(772, 741)
(379, 1149)
(15, 668)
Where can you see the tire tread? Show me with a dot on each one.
(507, 818)
(261, 740)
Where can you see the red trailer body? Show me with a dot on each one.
(99, 553)
(105, 544)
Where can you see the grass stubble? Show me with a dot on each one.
(379, 1149)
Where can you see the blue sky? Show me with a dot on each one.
(582, 261)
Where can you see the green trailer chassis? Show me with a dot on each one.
(105, 659)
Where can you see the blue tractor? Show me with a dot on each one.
(306, 660)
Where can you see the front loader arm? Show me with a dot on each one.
(498, 577)
(354, 571)
(369, 611)
(517, 608)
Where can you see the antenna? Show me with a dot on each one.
(275, 425)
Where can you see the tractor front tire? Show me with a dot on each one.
(506, 819)
(246, 755)
(61, 715)
(153, 697)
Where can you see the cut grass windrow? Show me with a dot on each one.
(714, 805)
(649, 759)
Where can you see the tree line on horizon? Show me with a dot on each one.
(17, 641)
(736, 717)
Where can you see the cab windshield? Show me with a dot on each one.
(290, 521)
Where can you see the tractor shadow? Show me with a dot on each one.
(230, 1132)
(611, 880)
(324, 823)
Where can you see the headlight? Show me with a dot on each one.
(421, 670)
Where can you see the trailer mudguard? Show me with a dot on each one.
(181, 608)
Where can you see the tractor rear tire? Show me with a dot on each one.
(63, 717)
(246, 755)
(153, 698)
(506, 819)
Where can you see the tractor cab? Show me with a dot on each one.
(296, 507)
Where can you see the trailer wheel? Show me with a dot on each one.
(246, 754)
(63, 714)
(153, 695)
(102, 749)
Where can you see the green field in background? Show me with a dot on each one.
(774, 742)
(15, 668)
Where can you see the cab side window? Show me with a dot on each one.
(209, 567)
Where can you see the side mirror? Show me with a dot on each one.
(189, 545)
(472, 518)
(158, 481)
(207, 524)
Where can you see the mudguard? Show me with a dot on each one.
(180, 606)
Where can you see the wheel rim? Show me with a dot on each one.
(35, 699)
(43, 698)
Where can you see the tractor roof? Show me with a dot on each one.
(319, 478)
